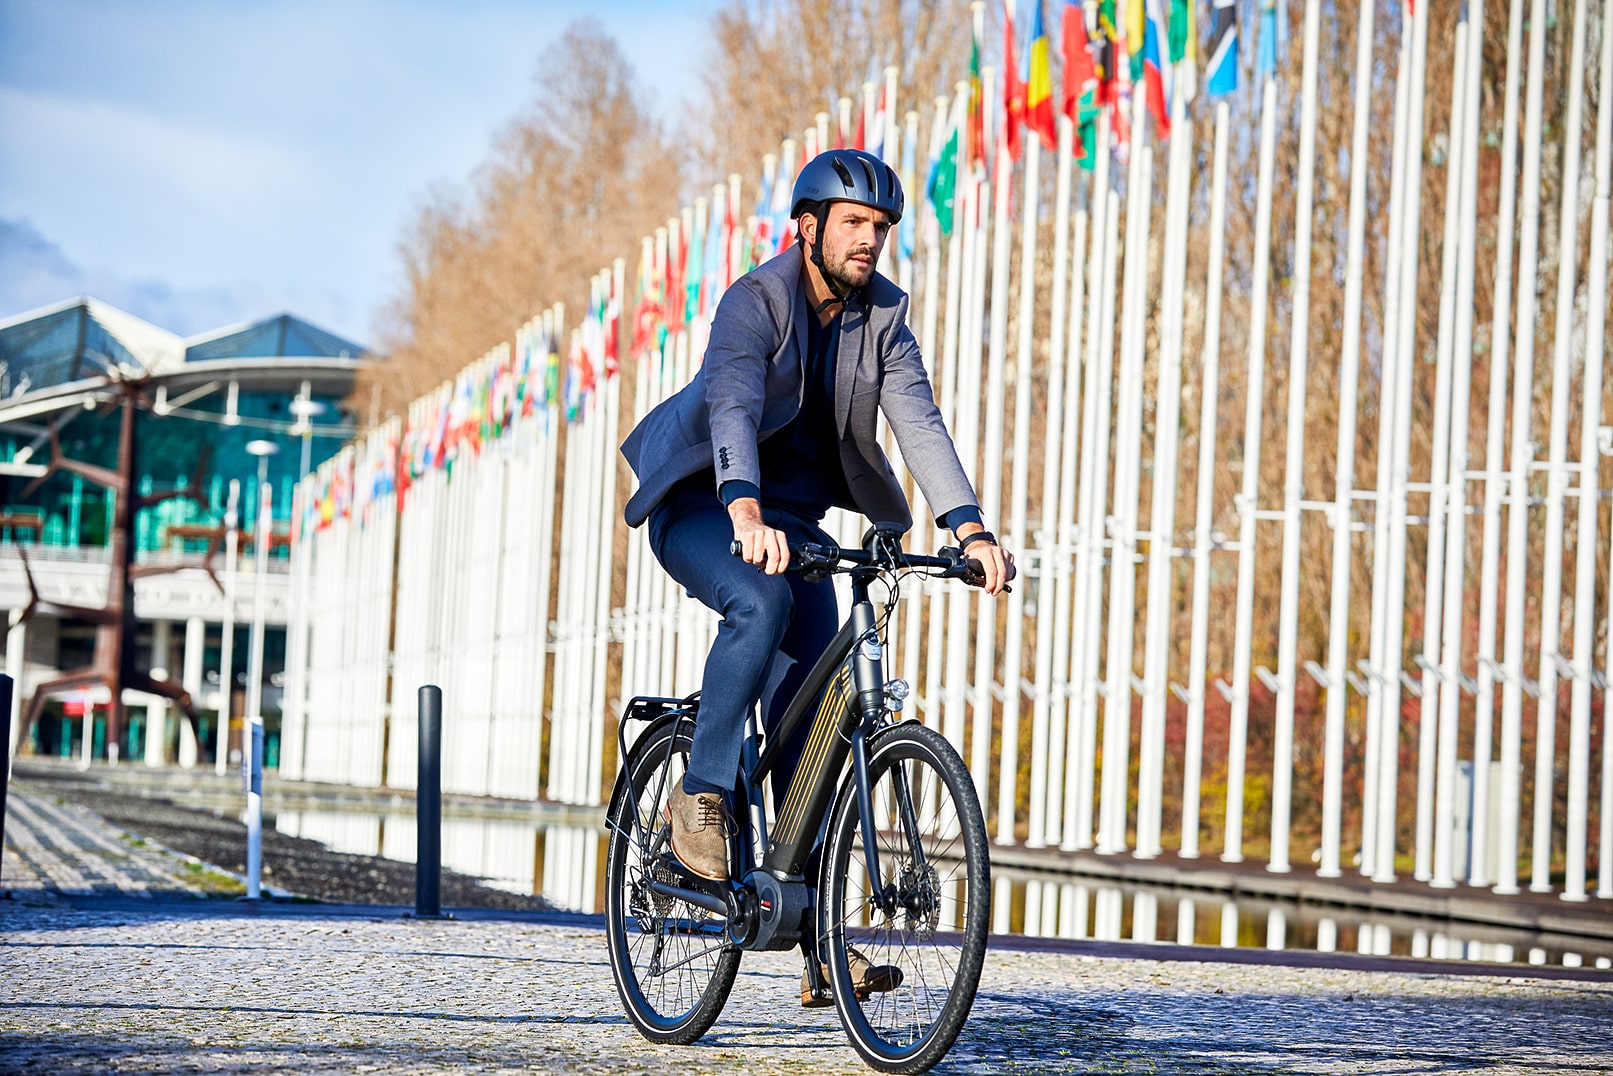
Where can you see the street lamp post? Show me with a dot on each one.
(252, 742)
(305, 407)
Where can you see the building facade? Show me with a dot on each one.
(263, 401)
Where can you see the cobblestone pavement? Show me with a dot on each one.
(171, 990)
(96, 978)
(67, 849)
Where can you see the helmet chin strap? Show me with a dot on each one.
(816, 254)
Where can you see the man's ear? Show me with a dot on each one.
(812, 235)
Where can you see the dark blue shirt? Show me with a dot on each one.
(800, 463)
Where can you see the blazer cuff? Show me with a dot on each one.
(736, 488)
(954, 519)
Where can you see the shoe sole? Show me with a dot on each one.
(880, 986)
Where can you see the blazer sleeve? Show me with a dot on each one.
(737, 353)
(909, 405)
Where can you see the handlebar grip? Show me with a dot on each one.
(736, 548)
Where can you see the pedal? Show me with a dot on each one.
(668, 869)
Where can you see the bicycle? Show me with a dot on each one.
(905, 873)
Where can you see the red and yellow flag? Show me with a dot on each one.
(1039, 85)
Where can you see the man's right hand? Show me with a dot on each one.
(760, 544)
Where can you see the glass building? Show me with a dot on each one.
(268, 400)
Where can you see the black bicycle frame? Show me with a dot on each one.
(848, 686)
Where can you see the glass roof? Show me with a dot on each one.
(84, 337)
(277, 336)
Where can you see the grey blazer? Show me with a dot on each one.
(749, 387)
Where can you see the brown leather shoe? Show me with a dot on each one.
(866, 979)
(700, 828)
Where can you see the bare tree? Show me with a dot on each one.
(573, 182)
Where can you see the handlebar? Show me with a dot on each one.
(812, 557)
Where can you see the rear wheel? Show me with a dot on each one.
(926, 914)
(672, 961)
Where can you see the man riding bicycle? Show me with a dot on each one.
(778, 426)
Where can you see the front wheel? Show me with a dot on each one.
(673, 962)
(926, 914)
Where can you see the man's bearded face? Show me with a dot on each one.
(853, 236)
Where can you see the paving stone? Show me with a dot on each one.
(166, 991)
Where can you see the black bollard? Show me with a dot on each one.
(6, 687)
(428, 808)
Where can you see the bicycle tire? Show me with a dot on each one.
(938, 934)
(676, 1000)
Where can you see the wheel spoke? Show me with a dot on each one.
(936, 883)
(672, 961)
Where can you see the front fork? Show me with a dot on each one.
(869, 678)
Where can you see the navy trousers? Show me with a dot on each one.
(774, 628)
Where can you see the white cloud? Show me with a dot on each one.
(36, 272)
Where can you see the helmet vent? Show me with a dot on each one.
(868, 170)
(845, 174)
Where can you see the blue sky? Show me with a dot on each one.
(202, 163)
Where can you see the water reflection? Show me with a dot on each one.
(565, 864)
(1062, 909)
(559, 863)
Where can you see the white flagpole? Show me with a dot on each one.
(1387, 380)
(1097, 393)
(1294, 468)
(991, 482)
(1506, 874)
(1062, 724)
(1338, 634)
(1081, 349)
(1119, 667)
(1551, 590)
(1479, 866)
(1579, 734)
(966, 426)
(1248, 500)
(1162, 512)
(1434, 573)
(1019, 489)
(552, 322)
(1204, 516)
(1400, 470)
(1450, 665)
(610, 389)
(939, 671)
(1050, 557)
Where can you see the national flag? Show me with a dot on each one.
(1273, 37)
(1013, 88)
(613, 330)
(783, 187)
(1183, 32)
(579, 377)
(1221, 74)
(941, 187)
(551, 369)
(716, 249)
(693, 268)
(648, 315)
(905, 231)
(976, 129)
(1080, 74)
(1039, 84)
(878, 118)
(1156, 71)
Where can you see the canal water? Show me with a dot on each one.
(566, 865)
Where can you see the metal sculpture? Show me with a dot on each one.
(112, 665)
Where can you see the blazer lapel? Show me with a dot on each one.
(849, 354)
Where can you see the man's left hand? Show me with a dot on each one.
(994, 559)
